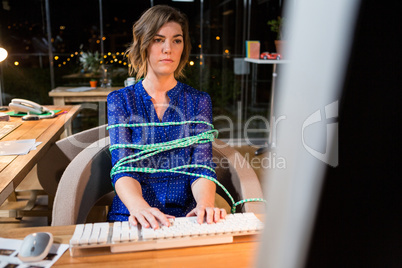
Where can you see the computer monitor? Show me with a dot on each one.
(308, 99)
(327, 209)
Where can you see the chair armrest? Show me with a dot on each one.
(244, 178)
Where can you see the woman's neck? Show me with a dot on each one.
(158, 87)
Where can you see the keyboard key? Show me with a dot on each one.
(79, 229)
(125, 232)
(93, 239)
(134, 233)
(86, 234)
(148, 233)
(116, 232)
(104, 232)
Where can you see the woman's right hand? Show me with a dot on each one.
(129, 191)
(149, 217)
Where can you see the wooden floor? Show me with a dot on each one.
(31, 183)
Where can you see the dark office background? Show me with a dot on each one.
(218, 31)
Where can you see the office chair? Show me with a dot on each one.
(51, 166)
(86, 180)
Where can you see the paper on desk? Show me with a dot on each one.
(17, 147)
(79, 89)
(36, 145)
(9, 254)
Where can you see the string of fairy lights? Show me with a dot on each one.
(109, 58)
(115, 58)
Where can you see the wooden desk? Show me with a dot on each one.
(241, 253)
(61, 96)
(13, 169)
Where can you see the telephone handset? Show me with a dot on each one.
(26, 106)
(34, 111)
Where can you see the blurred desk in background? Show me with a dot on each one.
(96, 96)
(62, 95)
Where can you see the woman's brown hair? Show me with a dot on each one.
(144, 31)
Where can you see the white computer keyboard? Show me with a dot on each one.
(100, 238)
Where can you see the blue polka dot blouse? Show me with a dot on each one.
(169, 192)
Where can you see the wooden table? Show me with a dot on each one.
(61, 96)
(13, 169)
(241, 253)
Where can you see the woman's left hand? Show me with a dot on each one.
(209, 214)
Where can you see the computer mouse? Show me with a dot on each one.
(35, 247)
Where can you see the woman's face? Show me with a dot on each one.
(165, 50)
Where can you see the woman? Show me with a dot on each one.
(159, 52)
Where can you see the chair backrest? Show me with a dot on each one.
(51, 166)
(87, 179)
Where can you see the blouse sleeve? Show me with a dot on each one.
(202, 153)
(117, 114)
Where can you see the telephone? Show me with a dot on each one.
(34, 111)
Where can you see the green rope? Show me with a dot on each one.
(148, 150)
(160, 124)
(249, 200)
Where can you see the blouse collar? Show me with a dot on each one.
(172, 94)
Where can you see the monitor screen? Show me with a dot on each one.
(308, 99)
